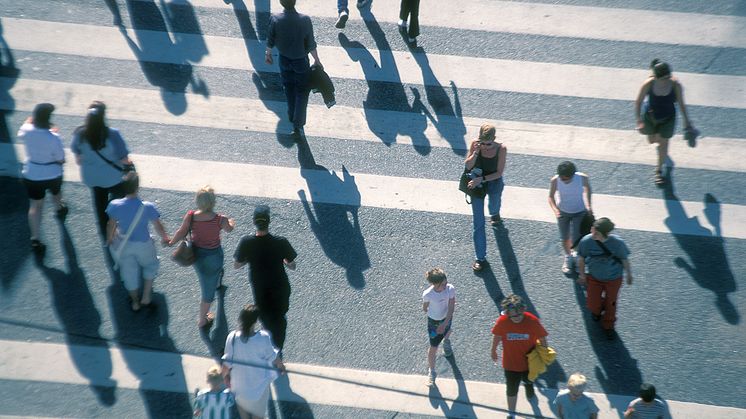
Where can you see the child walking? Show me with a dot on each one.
(215, 401)
(439, 302)
(573, 403)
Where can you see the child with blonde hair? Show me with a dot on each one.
(439, 302)
(215, 401)
(572, 403)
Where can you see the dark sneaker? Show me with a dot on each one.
(495, 220)
(62, 212)
(596, 317)
(341, 20)
(530, 394)
(298, 133)
(412, 43)
(403, 29)
(610, 334)
(38, 248)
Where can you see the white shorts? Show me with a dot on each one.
(138, 259)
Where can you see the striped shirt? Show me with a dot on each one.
(214, 405)
(653, 410)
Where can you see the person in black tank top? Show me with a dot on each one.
(656, 116)
(489, 157)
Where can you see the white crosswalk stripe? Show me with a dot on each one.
(534, 138)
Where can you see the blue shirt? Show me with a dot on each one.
(94, 171)
(124, 211)
(601, 266)
(292, 33)
(582, 408)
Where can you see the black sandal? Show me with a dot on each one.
(478, 265)
(659, 179)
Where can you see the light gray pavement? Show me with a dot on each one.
(355, 310)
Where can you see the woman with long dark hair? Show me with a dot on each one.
(250, 364)
(103, 158)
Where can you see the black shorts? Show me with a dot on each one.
(38, 188)
(513, 380)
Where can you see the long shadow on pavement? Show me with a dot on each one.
(512, 269)
(708, 261)
(385, 96)
(215, 338)
(148, 330)
(81, 321)
(490, 284)
(292, 404)
(336, 225)
(152, 27)
(461, 406)
(618, 373)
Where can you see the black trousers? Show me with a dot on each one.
(411, 9)
(273, 303)
(101, 199)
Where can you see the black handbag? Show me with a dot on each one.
(463, 186)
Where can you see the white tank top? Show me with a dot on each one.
(571, 195)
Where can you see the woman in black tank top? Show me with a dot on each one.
(486, 159)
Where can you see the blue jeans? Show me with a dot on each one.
(494, 192)
(342, 6)
(209, 266)
(296, 80)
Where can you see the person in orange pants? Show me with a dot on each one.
(607, 258)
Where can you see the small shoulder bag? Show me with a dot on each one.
(184, 253)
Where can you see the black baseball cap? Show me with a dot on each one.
(261, 214)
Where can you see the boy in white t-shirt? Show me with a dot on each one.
(439, 302)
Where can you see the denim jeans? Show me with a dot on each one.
(342, 6)
(296, 79)
(494, 194)
(209, 266)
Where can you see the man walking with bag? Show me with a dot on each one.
(606, 256)
(292, 33)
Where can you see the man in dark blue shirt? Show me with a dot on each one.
(292, 33)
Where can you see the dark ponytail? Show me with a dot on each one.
(247, 319)
(94, 131)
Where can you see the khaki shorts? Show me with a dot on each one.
(664, 128)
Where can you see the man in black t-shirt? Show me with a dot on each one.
(267, 256)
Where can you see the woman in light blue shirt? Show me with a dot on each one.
(103, 158)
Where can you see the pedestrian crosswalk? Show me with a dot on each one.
(383, 122)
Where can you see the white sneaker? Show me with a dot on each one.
(447, 348)
(567, 265)
(431, 378)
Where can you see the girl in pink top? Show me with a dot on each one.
(205, 226)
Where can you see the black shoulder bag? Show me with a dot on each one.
(463, 185)
(607, 252)
(125, 168)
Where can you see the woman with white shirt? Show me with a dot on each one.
(42, 169)
(250, 364)
(574, 192)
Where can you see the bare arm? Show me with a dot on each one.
(627, 268)
(111, 228)
(227, 224)
(425, 305)
(588, 193)
(181, 232)
(315, 56)
(638, 102)
(495, 343)
(581, 270)
(543, 341)
(161, 231)
(471, 158)
(552, 199)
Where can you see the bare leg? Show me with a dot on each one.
(662, 152)
(204, 307)
(567, 245)
(432, 351)
(511, 403)
(34, 217)
(135, 299)
(147, 292)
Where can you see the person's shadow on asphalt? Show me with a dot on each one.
(619, 372)
(290, 404)
(215, 337)
(75, 308)
(336, 225)
(707, 262)
(461, 406)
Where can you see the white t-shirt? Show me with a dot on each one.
(438, 307)
(43, 150)
(653, 410)
(248, 381)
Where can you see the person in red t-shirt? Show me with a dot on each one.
(518, 331)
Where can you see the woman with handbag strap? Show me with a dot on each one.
(489, 156)
(102, 155)
(205, 225)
